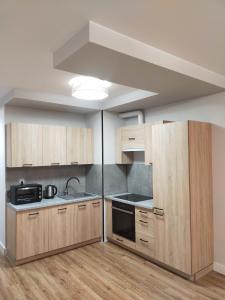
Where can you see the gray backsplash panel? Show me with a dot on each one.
(48, 175)
(139, 179)
(115, 179)
(94, 179)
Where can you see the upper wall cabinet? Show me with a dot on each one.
(24, 145)
(79, 146)
(54, 145)
(46, 145)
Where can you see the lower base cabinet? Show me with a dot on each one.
(35, 232)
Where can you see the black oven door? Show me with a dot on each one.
(123, 220)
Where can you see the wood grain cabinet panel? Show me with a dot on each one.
(82, 222)
(31, 233)
(24, 145)
(182, 192)
(122, 157)
(54, 145)
(61, 228)
(96, 218)
(133, 137)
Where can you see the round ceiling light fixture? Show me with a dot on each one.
(89, 88)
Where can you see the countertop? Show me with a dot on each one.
(49, 202)
(144, 204)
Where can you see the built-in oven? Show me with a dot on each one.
(123, 220)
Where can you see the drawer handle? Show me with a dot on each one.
(144, 222)
(143, 212)
(143, 241)
(33, 214)
(158, 211)
(131, 139)
(96, 203)
(62, 209)
(74, 162)
(82, 206)
(55, 164)
(27, 165)
(120, 240)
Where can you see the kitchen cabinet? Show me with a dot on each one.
(182, 192)
(38, 233)
(79, 146)
(108, 210)
(24, 145)
(60, 226)
(54, 145)
(27, 233)
(122, 157)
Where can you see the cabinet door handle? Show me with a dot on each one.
(96, 203)
(143, 241)
(120, 240)
(131, 139)
(144, 222)
(33, 214)
(74, 162)
(27, 165)
(158, 211)
(62, 209)
(143, 212)
(55, 164)
(82, 206)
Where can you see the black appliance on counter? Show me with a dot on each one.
(50, 191)
(25, 193)
(123, 220)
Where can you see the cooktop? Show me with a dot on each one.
(134, 197)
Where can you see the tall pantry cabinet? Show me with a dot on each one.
(182, 192)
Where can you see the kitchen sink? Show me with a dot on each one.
(75, 196)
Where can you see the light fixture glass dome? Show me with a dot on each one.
(89, 88)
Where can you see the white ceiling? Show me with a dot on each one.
(31, 30)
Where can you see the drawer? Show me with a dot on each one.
(142, 213)
(123, 241)
(145, 226)
(145, 244)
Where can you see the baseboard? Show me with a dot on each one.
(2, 249)
(219, 268)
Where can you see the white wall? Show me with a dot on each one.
(30, 115)
(210, 109)
(2, 180)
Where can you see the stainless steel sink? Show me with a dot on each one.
(75, 196)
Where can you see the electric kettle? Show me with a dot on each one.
(50, 191)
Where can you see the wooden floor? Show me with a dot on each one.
(101, 271)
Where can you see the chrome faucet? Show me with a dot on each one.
(67, 182)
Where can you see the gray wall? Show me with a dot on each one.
(48, 175)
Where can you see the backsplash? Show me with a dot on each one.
(115, 179)
(139, 179)
(48, 175)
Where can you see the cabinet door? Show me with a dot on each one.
(132, 137)
(32, 233)
(86, 150)
(122, 157)
(108, 205)
(60, 226)
(171, 195)
(82, 226)
(73, 141)
(96, 218)
(24, 145)
(54, 145)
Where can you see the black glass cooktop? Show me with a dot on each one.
(134, 197)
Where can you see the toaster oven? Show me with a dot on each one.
(25, 193)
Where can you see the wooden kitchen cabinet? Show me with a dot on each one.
(24, 145)
(96, 218)
(27, 233)
(133, 137)
(79, 146)
(182, 192)
(60, 225)
(54, 145)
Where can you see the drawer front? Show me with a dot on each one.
(123, 241)
(145, 226)
(143, 214)
(145, 244)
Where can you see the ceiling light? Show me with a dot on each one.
(89, 88)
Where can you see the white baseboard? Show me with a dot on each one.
(2, 249)
(219, 268)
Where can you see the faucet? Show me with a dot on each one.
(67, 182)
